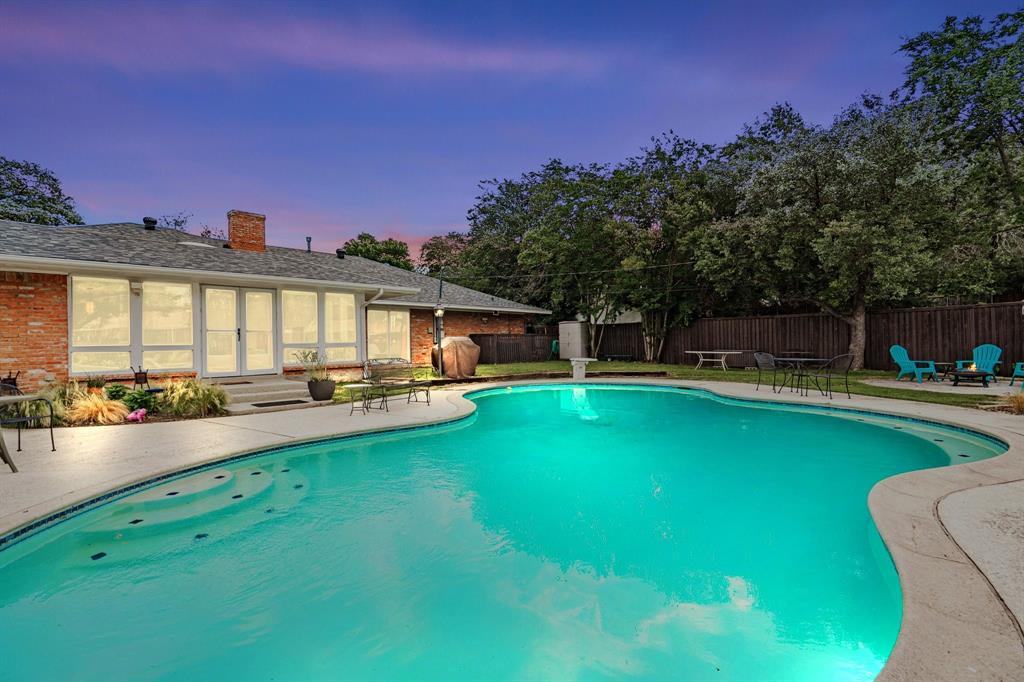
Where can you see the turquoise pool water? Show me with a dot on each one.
(560, 533)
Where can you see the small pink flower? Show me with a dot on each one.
(138, 415)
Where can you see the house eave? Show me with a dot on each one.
(466, 308)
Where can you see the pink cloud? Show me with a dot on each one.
(171, 38)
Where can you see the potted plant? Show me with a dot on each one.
(95, 384)
(318, 379)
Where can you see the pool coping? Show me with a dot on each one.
(956, 624)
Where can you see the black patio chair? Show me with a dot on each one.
(12, 400)
(837, 367)
(766, 362)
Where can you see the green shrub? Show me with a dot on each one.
(95, 382)
(139, 399)
(61, 394)
(65, 393)
(117, 391)
(191, 398)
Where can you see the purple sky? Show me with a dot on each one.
(337, 119)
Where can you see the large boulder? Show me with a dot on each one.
(460, 356)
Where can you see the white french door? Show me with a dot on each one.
(238, 325)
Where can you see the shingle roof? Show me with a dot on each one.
(131, 244)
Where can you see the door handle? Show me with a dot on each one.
(238, 333)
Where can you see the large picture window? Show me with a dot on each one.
(300, 328)
(340, 327)
(387, 334)
(100, 325)
(116, 324)
(167, 325)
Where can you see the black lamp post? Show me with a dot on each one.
(438, 336)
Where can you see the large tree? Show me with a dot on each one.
(33, 194)
(858, 214)
(660, 199)
(441, 255)
(973, 75)
(391, 251)
(570, 248)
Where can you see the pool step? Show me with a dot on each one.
(209, 514)
(183, 501)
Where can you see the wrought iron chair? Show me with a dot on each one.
(13, 402)
(766, 362)
(837, 367)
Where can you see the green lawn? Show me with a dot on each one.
(857, 386)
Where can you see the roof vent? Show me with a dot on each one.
(341, 253)
(309, 244)
(149, 223)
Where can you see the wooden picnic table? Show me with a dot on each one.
(717, 357)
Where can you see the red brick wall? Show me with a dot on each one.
(34, 327)
(247, 231)
(457, 323)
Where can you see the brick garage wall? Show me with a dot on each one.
(457, 323)
(34, 327)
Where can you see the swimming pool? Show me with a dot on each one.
(561, 532)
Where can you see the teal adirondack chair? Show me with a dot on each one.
(1018, 373)
(986, 357)
(918, 368)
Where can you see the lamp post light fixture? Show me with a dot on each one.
(438, 336)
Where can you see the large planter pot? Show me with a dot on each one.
(321, 390)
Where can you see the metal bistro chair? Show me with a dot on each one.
(839, 366)
(11, 400)
(766, 362)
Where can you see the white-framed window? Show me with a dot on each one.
(324, 322)
(387, 334)
(116, 324)
(340, 327)
(167, 326)
(101, 334)
(300, 323)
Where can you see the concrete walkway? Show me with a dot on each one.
(994, 389)
(954, 533)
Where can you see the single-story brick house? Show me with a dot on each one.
(87, 300)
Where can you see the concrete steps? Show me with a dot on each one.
(249, 393)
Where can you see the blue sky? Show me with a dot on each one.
(334, 119)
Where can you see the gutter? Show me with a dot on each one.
(469, 308)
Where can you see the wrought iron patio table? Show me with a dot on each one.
(796, 363)
(362, 397)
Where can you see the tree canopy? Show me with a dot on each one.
(390, 251)
(33, 194)
(901, 200)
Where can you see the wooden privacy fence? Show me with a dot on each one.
(940, 334)
(505, 348)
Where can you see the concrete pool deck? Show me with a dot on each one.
(956, 533)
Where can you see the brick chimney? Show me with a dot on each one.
(247, 231)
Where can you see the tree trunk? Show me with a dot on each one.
(858, 335)
(653, 327)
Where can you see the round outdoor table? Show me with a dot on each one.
(800, 362)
